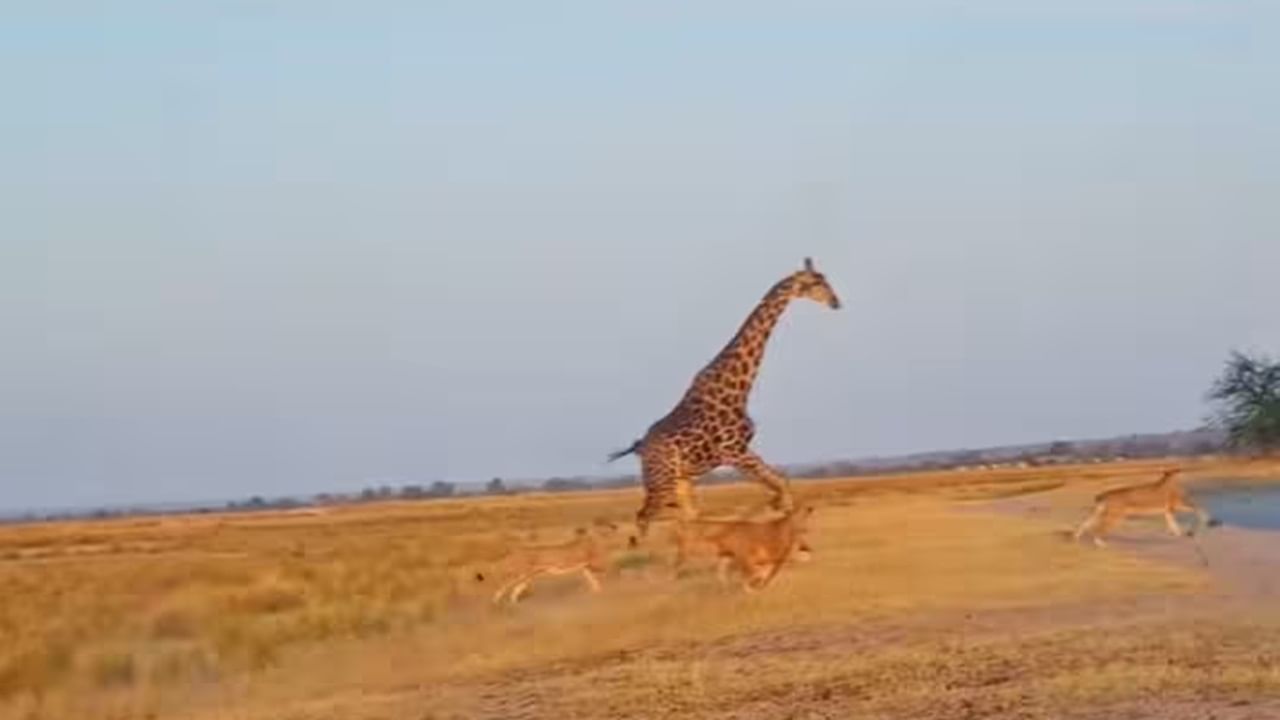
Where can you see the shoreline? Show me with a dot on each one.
(1243, 562)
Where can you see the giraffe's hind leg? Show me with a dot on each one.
(660, 490)
(752, 465)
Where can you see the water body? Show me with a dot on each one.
(1247, 507)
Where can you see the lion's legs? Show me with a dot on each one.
(765, 576)
(722, 569)
(514, 588)
(1089, 524)
(590, 577)
(507, 587)
(681, 555)
(1104, 525)
(1202, 517)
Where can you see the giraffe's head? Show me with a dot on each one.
(811, 284)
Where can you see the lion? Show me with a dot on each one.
(1162, 496)
(756, 549)
(583, 554)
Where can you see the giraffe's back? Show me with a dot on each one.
(700, 435)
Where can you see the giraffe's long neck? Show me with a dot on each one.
(732, 373)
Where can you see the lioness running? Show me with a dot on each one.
(1162, 496)
(757, 549)
(584, 554)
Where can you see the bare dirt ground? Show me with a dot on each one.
(1141, 659)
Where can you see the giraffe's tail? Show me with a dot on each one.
(623, 453)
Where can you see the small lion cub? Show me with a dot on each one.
(756, 549)
(584, 553)
(1162, 496)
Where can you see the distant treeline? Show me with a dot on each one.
(1184, 443)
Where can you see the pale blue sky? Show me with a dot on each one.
(280, 248)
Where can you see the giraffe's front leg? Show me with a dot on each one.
(751, 464)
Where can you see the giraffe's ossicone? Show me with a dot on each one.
(709, 427)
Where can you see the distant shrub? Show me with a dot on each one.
(172, 624)
(440, 489)
(33, 668)
(181, 664)
(114, 668)
(633, 561)
(267, 598)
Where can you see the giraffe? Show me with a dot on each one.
(709, 427)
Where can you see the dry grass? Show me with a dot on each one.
(372, 611)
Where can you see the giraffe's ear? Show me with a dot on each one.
(808, 264)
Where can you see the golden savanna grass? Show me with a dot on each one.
(373, 611)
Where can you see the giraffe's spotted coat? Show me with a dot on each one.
(710, 427)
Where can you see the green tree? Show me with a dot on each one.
(1248, 397)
